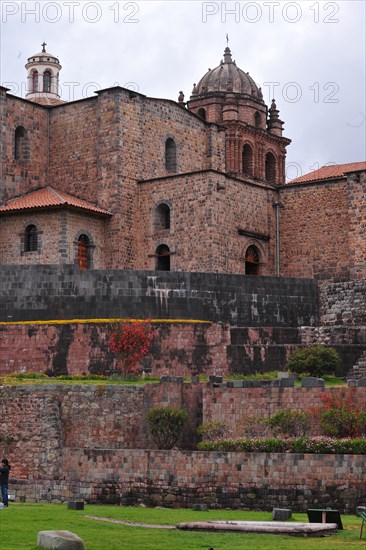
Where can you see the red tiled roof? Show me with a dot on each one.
(330, 172)
(47, 197)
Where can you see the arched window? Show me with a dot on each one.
(163, 258)
(252, 261)
(47, 81)
(270, 168)
(21, 144)
(170, 155)
(257, 120)
(247, 160)
(83, 252)
(162, 217)
(202, 113)
(35, 81)
(31, 239)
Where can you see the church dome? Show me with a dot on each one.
(43, 70)
(43, 57)
(227, 77)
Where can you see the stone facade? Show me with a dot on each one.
(215, 165)
(67, 225)
(321, 229)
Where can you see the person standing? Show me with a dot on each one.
(4, 480)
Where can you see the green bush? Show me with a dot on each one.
(289, 422)
(166, 425)
(314, 361)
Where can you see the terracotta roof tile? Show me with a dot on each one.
(329, 172)
(47, 197)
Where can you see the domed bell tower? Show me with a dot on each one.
(255, 148)
(43, 78)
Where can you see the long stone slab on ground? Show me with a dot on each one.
(59, 540)
(269, 527)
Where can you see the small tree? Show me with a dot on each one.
(314, 361)
(130, 342)
(166, 425)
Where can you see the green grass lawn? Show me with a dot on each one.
(20, 523)
(19, 379)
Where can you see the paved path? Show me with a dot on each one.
(132, 523)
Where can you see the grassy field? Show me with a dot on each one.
(90, 379)
(20, 523)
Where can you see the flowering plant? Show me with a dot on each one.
(340, 417)
(130, 342)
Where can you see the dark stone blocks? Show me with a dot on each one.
(54, 292)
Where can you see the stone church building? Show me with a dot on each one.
(123, 181)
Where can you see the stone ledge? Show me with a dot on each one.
(278, 527)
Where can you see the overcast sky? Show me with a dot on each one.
(308, 55)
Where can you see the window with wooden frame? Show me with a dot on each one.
(83, 252)
(252, 260)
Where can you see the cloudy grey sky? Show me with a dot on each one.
(309, 55)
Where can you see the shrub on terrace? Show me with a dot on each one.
(212, 431)
(340, 417)
(319, 444)
(166, 425)
(314, 361)
(290, 422)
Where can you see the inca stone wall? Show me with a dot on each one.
(91, 443)
(250, 323)
(52, 292)
(343, 303)
(233, 405)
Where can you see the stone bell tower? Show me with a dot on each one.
(43, 78)
(255, 147)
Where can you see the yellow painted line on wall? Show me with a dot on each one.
(101, 321)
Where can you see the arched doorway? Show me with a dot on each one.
(83, 252)
(252, 261)
(163, 258)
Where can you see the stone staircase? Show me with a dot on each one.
(359, 369)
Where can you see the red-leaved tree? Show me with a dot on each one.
(130, 342)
